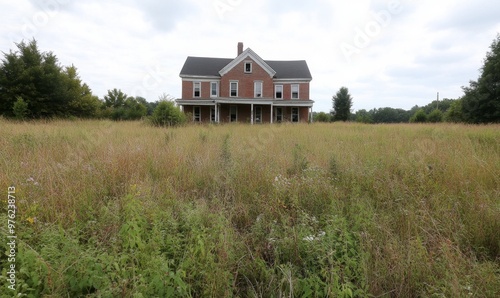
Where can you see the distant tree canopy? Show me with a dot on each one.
(481, 102)
(34, 85)
(321, 117)
(436, 111)
(120, 106)
(342, 103)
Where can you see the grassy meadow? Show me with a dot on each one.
(123, 209)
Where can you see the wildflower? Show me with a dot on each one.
(309, 238)
(32, 180)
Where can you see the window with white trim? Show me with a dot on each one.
(214, 89)
(257, 87)
(212, 115)
(196, 114)
(196, 89)
(248, 67)
(233, 89)
(295, 114)
(278, 93)
(279, 114)
(295, 91)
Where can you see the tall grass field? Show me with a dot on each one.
(123, 209)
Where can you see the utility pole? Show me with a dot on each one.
(437, 101)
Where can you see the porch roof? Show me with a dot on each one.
(245, 101)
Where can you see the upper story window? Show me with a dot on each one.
(196, 89)
(233, 89)
(257, 89)
(248, 67)
(295, 91)
(278, 93)
(214, 89)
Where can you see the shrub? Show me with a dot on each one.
(435, 116)
(167, 114)
(419, 117)
(20, 109)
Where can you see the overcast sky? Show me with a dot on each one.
(389, 53)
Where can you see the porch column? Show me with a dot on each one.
(216, 113)
(311, 115)
(272, 108)
(251, 113)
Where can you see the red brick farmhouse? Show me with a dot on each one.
(245, 89)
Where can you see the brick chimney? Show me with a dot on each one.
(240, 48)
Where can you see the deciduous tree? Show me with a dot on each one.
(481, 102)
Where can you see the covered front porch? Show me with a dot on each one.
(247, 111)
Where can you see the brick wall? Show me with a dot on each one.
(246, 81)
(188, 91)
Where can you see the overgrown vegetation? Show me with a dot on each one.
(33, 85)
(123, 209)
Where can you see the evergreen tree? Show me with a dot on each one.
(342, 103)
(46, 88)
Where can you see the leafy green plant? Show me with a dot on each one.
(167, 114)
(20, 109)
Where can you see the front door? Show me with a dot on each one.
(233, 114)
(258, 114)
(279, 115)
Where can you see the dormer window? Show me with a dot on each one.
(248, 67)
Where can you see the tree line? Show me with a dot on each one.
(479, 104)
(33, 85)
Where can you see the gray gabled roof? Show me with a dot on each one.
(290, 69)
(203, 66)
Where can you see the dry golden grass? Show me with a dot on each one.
(423, 199)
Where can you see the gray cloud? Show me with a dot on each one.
(165, 14)
(428, 47)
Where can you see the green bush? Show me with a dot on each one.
(435, 116)
(167, 114)
(419, 117)
(20, 109)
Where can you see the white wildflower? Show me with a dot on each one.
(309, 238)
